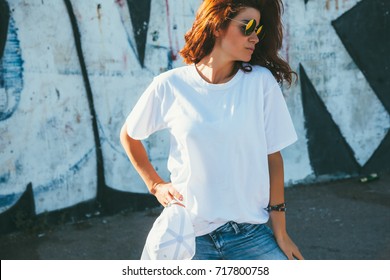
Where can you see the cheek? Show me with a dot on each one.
(233, 38)
(233, 43)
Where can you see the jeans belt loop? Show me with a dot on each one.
(235, 227)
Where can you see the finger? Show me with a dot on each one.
(166, 199)
(288, 254)
(172, 202)
(166, 195)
(164, 203)
(175, 194)
(169, 203)
(298, 255)
(180, 204)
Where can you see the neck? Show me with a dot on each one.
(215, 70)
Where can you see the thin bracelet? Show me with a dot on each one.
(279, 207)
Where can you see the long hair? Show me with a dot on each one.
(213, 15)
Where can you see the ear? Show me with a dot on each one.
(217, 33)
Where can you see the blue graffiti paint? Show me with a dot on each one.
(133, 48)
(105, 139)
(57, 182)
(11, 78)
(18, 167)
(170, 60)
(4, 178)
(6, 201)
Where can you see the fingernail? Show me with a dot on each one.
(181, 198)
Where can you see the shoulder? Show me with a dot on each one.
(173, 74)
(262, 72)
(165, 84)
(263, 75)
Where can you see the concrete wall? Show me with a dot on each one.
(70, 72)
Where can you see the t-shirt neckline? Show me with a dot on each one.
(221, 86)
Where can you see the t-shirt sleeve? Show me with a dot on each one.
(279, 128)
(147, 116)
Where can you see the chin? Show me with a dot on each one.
(244, 58)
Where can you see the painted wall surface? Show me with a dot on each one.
(347, 121)
(71, 71)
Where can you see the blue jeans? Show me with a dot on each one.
(233, 241)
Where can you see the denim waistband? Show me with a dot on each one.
(228, 227)
(232, 226)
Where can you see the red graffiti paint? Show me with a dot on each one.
(120, 3)
(328, 3)
(173, 53)
(125, 60)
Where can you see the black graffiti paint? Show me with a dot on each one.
(11, 64)
(364, 30)
(21, 213)
(4, 19)
(140, 14)
(329, 152)
(379, 161)
(99, 154)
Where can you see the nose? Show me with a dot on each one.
(254, 38)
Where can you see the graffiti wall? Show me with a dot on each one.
(339, 49)
(70, 72)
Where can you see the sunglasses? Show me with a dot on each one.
(249, 27)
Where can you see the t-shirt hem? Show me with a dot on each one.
(281, 146)
(136, 137)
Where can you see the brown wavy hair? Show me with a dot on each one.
(212, 16)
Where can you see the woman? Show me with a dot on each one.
(228, 122)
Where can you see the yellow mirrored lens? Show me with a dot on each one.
(250, 26)
(259, 30)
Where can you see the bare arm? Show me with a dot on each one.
(278, 219)
(136, 152)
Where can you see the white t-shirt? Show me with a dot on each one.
(220, 137)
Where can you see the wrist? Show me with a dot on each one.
(278, 223)
(155, 186)
(280, 234)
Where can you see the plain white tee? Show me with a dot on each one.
(220, 137)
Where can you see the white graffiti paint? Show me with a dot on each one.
(312, 41)
(49, 140)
